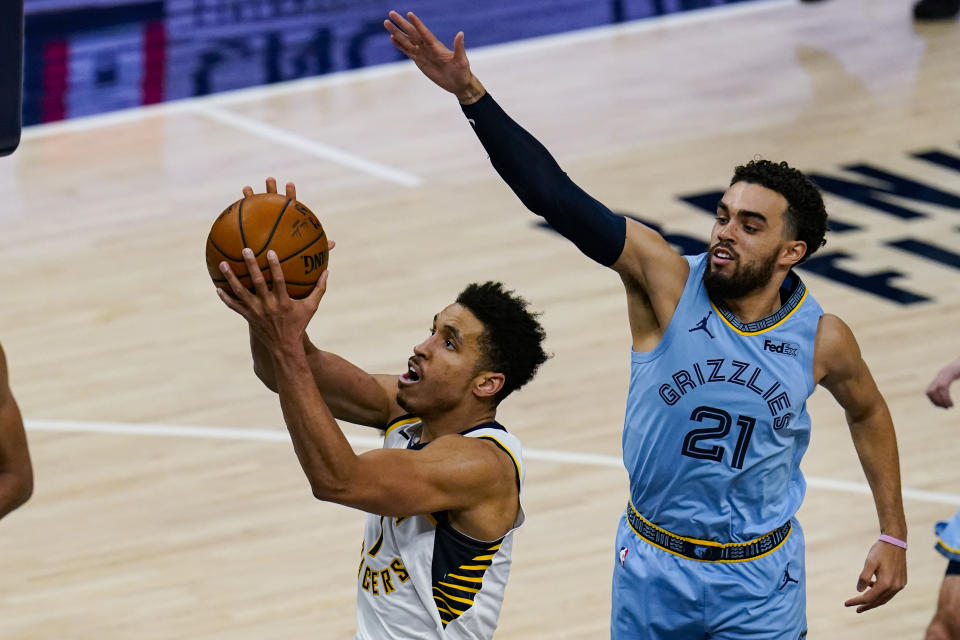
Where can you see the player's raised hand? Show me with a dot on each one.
(291, 189)
(277, 319)
(291, 192)
(448, 69)
(939, 389)
(884, 575)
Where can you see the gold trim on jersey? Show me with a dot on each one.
(943, 544)
(375, 547)
(773, 326)
(508, 452)
(452, 597)
(705, 543)
(460, 588)
(400, 423)
(443, 607)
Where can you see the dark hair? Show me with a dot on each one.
(806, 216)
(512, 337)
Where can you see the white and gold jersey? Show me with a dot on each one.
(420, 578)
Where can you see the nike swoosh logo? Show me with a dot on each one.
(473, 123)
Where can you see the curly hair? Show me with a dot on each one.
(512, 337)
(806, 215)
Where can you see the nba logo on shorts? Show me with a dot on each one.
(623, 555)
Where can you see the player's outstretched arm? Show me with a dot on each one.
(939, 389)
(16, 473)
(839, 367)
(529, 169)
(449, 70)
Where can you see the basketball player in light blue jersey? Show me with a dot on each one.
(727, 347)
(445, 493)
(946, 621)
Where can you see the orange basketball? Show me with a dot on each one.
(269, 221)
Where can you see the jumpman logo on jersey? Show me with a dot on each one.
(787, 579)
(702, 325)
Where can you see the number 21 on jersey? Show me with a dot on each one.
(694, 442)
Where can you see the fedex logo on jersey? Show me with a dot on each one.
(786, 348)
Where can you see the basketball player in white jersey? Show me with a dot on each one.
(16, 474)
(444, 494)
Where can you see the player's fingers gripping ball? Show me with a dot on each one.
(269, 221)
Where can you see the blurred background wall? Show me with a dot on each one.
(91, 56)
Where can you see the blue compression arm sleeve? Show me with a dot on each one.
(529, 169)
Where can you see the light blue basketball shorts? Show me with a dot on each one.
(948, 537)
(658, 595)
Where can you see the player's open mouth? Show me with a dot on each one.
(722, 256)
(411, 375)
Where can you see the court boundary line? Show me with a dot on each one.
(388, 69)
(277, 135)
(374, 442)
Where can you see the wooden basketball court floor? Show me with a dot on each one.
(168, 501)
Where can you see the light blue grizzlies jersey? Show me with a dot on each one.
(948, 537)
(716, 419)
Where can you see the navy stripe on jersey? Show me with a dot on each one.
(485, 425)
(459, 563)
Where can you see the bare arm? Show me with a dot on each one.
(351, 394)
(451, 473)
(839, 367)
(454, 473)
(16, 473)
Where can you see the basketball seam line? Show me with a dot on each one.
(274, 230)
(243, 238)
(312, 242)
(266, 268)
(222, 252)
